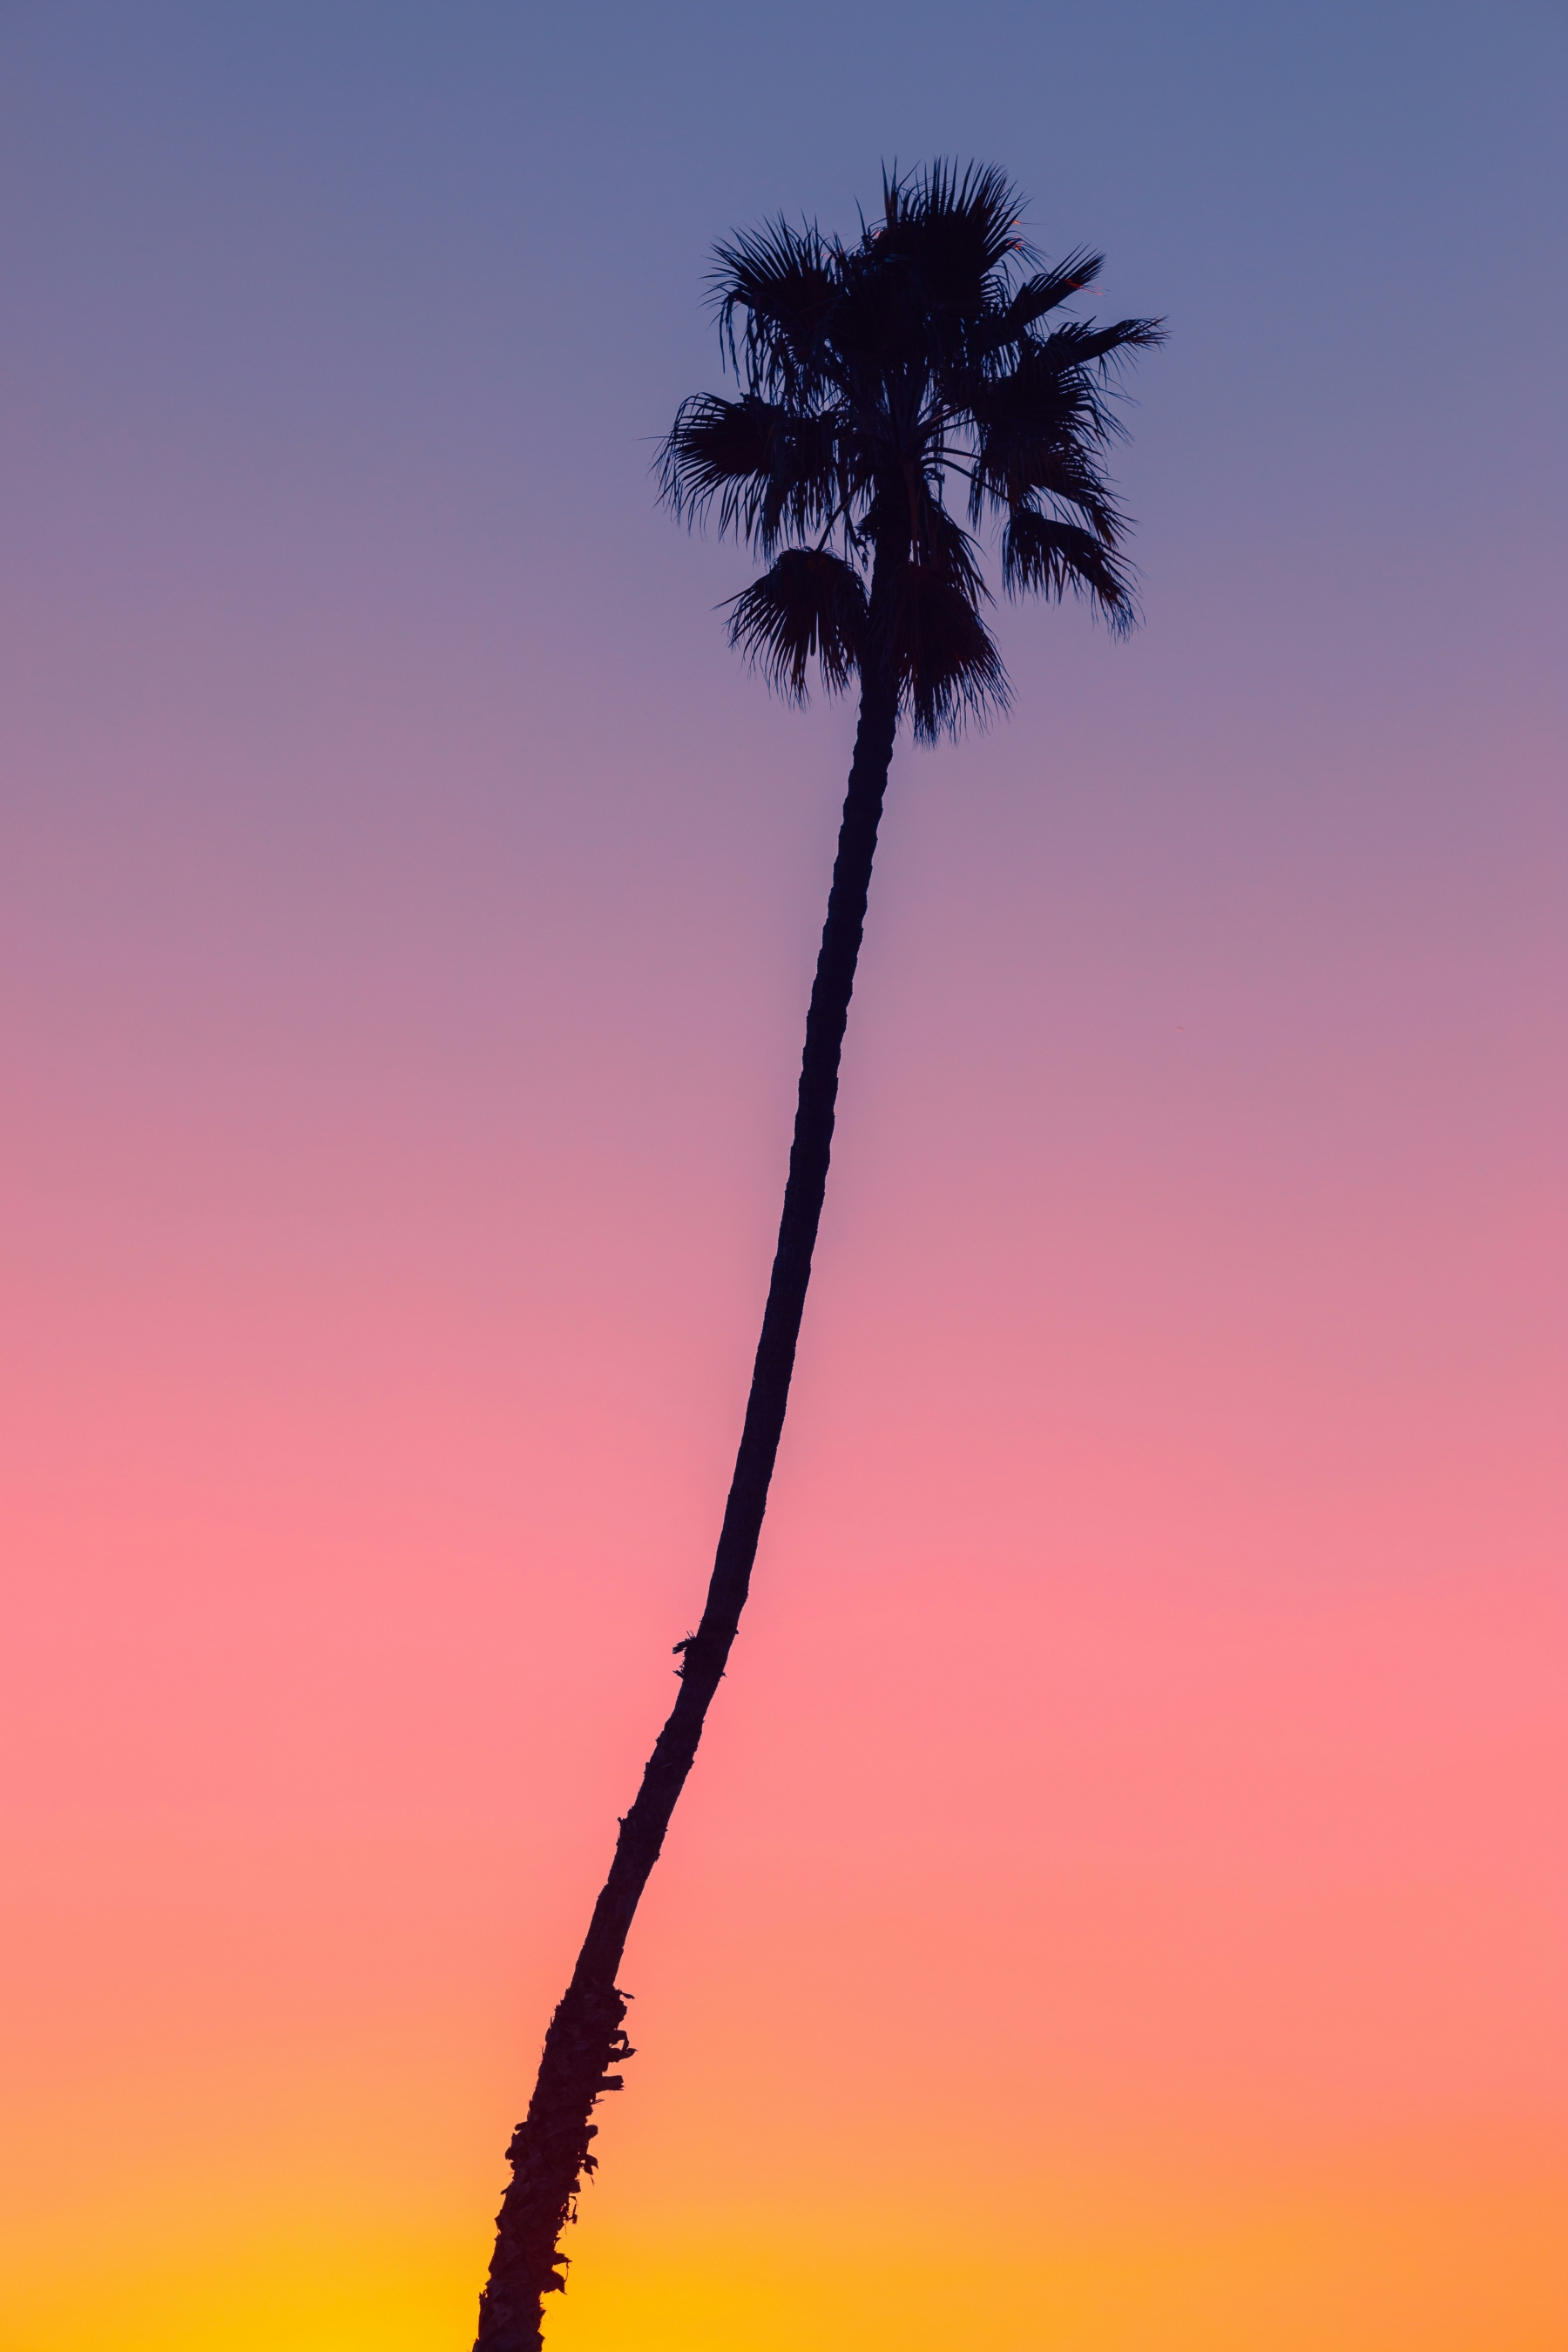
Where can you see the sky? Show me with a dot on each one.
(1118, 1907)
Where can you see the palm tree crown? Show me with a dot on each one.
(872, 372)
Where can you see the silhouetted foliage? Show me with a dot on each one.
(874, 374)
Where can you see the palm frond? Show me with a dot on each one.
(1037, 296)
(772, 470)
(958, 228)
(1020, 469)
(1043, 556)
(1077, 343)
(944, 657)
(809, 604)
(784, 283)
(943, 547)
(1041, 425)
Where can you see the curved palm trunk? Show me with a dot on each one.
(549, 2149)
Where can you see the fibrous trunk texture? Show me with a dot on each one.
(550, 2151)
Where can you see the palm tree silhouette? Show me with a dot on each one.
(872, 372)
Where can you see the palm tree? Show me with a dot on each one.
(872, 373)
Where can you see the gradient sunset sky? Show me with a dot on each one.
(1119, 1906)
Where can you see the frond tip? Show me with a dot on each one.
(1044, 557)
(809, 603)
